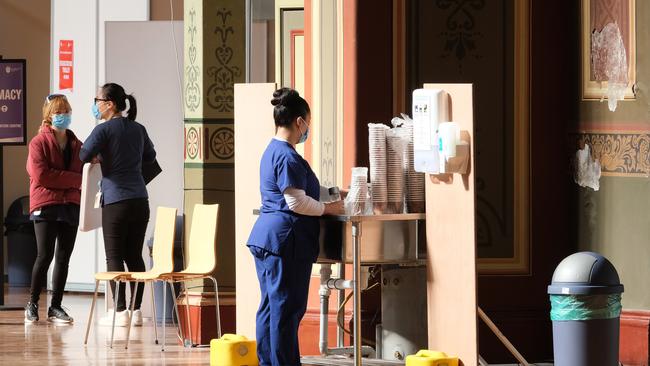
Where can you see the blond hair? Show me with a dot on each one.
(57, 103)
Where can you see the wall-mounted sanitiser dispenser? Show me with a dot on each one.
(429, 109)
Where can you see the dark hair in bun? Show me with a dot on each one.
(288, 106)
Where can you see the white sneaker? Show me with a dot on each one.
(137, 318)
(122, 319)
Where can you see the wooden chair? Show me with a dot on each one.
(202, 257)
(164, 232)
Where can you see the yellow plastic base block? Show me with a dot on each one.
(431, 358)
(233, 350)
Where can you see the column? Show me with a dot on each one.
(214, 59)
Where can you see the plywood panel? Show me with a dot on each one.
(451, 246)
(254, 128)
(90, 217)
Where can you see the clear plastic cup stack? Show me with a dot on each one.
(378, 166)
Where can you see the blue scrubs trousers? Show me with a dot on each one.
(284, 284)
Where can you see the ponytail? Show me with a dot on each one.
(116, 94)
(133, 109)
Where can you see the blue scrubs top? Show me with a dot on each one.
(278, 229)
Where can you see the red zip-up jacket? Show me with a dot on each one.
(50, 183)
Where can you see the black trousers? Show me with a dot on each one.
(124, 224)
(52, 237)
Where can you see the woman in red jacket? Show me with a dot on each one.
(54, 193)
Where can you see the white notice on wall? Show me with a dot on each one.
(422, 138)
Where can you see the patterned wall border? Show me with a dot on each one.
(621, 153)
(226, 70)
(192, 69)
(209, 145)
(214, 56)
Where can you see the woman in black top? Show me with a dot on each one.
(121, 145)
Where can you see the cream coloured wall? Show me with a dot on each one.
(614, 221)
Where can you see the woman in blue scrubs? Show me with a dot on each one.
(284, 239)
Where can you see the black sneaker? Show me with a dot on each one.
(31, 312)
(56, 314)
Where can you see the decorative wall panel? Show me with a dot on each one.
(464, 39)
(209, 144)
(214, 61)
(622, 154)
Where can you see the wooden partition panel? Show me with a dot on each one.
(451, 245)
(254, 128)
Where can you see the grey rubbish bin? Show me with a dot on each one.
(585, 309)
(21, 243)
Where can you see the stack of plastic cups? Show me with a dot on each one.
(395, 179)
(358, 191)
(378, 166)
(414, 180)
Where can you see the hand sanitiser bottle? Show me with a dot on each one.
(335, 194)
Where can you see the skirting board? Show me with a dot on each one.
(635, 338)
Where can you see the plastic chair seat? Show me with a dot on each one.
(112, 276)
(184, 275)
(146, 276)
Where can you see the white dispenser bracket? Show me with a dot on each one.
(459, 163)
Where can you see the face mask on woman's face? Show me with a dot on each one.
(96, 112)
(61, 121)
(303, 136)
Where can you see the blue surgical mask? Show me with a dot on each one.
(96, 113)
(304, 136)
(61, 121)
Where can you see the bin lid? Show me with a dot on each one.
(585, 273)
(18, 212)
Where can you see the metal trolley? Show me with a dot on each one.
(372, 239)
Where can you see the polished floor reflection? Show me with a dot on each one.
(43, 343)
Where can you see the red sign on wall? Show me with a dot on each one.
(66, 65)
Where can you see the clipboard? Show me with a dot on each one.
(90, 211)
(150, 171)
(90, 215)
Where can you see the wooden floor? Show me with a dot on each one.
(43, 344)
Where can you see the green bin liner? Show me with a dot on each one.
(585, 307)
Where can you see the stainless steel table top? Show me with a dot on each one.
(382, 217)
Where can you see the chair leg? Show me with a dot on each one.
(128, 329)
(164, 325)
(187, 314)
(178, 318)
(115, 295)
(153, 308)
(92, 309)
(216, 296)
